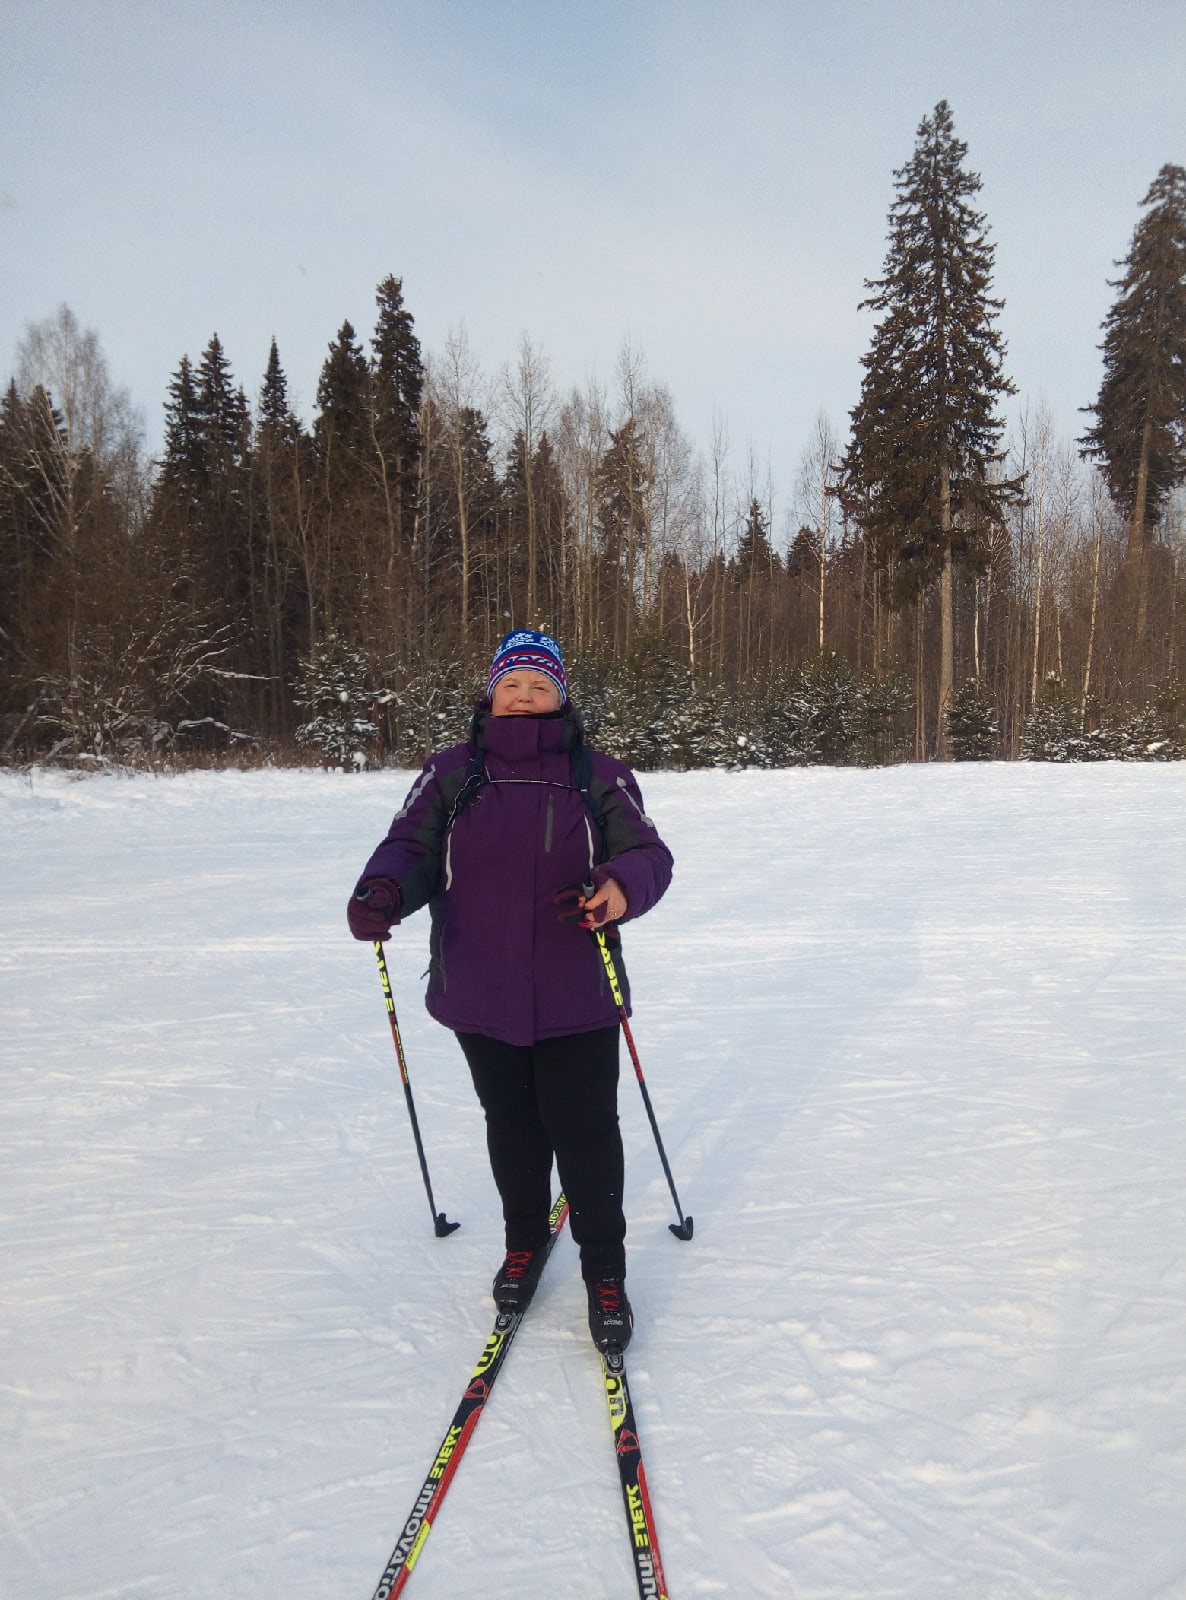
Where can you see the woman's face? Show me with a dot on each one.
(524, 694)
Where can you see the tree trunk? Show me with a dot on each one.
(946, 613)
(1136, 517)
(1039, 539)
(920, 713)
(823, 552)
(1095, 590)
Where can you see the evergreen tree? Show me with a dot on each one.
(340, 563)
(755, 571)
(225, 425)
(207, 451)
(623, 488)
(277, 498)
(973, 727)
(342, 426)
(34, 468)
(1139, 435)
(182, 467)
(202, 514)
(398, 374)
(756, 556)
(397, 388)
(918, 473)
(274, 410)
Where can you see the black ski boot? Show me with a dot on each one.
(611, 1321)
(515, 1280)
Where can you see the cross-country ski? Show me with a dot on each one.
(468, 1414)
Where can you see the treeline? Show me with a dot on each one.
(926, 586)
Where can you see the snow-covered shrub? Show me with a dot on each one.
(973, 728)
(333, 690)
(885, 720)
(428, 704)
(648, 711)
(653, 712)
(1053, 730)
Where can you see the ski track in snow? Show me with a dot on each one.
(916, 1040)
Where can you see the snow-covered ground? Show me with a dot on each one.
(917, 1044)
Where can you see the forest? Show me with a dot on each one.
(934, 585)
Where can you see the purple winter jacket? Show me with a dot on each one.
(503, 963)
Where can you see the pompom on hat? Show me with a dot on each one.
(524, 650)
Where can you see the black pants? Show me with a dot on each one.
(557, 1097)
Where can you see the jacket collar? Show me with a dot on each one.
(516, 737)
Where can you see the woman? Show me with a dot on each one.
(522, 841)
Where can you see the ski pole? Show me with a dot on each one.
(441, 1226)
(683, 1228)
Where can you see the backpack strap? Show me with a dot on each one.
(580, 760)
(474, 781)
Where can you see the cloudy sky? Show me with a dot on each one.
(708, 179)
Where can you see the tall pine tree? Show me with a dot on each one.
(1139, 435)
(340, 570)
(918, 474)
(397, 386)
(279, 516)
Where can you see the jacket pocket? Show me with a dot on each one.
(549, 823)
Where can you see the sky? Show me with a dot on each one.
(706, 182)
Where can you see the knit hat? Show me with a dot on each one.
(527, 651)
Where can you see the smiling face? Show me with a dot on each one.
(524, 694)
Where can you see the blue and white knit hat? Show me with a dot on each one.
(528, 651)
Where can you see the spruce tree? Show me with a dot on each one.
(755, 572)
(225, 425)
(342, 525)
(274, 410)
(973, 727)
(279, 449)
(756, 557)
(1139, 436)
(398, 373)
(182, 467)
(202, 512)
(397, 388)
(624, 487)
(342, 426)
(34, 469)
(918, 473)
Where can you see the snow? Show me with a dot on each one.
(916, 1040)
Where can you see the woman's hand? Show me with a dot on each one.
(606, 904)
